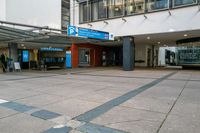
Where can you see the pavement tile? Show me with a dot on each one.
(23, 123)
(44, 114)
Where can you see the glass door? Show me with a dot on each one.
(84, 57)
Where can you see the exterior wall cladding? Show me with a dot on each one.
(171, 19)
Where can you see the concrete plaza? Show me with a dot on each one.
(100, 100)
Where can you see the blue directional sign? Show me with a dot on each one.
(71, 31)
(89, 33)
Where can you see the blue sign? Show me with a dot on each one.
(25, 56)
(51, 49)
(71, 31)
(83, 32)
(68, 59)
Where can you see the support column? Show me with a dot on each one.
(128, 53)
(12, 48)
(74, 53)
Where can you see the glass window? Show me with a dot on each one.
(102, 9)
(158, 4)
(135, 6)
(94, 10)
(115, 8)
(183, 2)
(84, 12)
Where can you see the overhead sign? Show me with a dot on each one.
(71, 31)
(89, 33)
(83, 32)
(51, 49)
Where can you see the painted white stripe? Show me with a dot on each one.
(3, 101)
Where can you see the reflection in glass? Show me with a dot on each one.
(115, 8)
(135, 6)
(102, 9)
(84, 12)
(184, 2)
(158, 4)
(94, 10)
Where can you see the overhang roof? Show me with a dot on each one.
(40, 36)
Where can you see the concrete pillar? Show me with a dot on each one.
(13, 51)
(128, 53)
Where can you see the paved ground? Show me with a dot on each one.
(100, 101)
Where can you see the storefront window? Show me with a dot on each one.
(183, 2)
(158, 4)
(116, 8)
(84, 12)
(135, 6)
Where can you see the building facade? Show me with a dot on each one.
(148, 24)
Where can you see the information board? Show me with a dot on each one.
(17, 66)
(89, 33)
(25, 56)
(83, 32)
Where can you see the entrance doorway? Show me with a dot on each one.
(84, 57)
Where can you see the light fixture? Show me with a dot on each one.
(105, 22)
(148, 37)
(22, 45)
(158, 42)
(185, 35)
(124, 19)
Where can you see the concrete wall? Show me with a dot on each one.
(158, 22)
(34, 12)
(2, 9)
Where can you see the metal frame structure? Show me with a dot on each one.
(22, 33)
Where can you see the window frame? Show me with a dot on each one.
(184, 5)
(149, 11)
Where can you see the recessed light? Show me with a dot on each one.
(148, 37)
(185, 35)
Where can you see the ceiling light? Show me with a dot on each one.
(22, 45)
(158, 42)
(148, 37)
(185, 35)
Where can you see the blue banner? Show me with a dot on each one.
(89, 33)
(51, 49)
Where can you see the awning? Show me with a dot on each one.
(41, 36)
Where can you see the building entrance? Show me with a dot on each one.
(84, 56)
